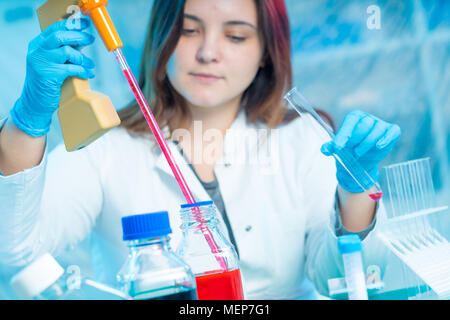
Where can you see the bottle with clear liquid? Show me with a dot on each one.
(152, 270)
(45, 279)
(216, 269)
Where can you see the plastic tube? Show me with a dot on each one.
(350, 248)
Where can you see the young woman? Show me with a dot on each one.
(214, 73)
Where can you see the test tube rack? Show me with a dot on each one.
(407, 231)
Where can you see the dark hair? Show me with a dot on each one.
(262, 100)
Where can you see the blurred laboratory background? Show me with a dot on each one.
(390, 58)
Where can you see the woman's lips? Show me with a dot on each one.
(205, 78)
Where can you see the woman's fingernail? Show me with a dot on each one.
(340, 142)
(85, 21)
(325, 150)
(381, 144)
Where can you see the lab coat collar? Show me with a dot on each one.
(242, 139)
(230, 140)
(234, 134)
(195, 186)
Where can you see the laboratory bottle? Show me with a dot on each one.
(45, 279)
(350, 248)
(152, 271)
(216, 269)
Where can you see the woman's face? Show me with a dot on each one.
(219, 52)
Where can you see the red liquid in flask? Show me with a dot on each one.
(220, 286)
(376, 196)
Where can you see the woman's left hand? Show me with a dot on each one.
(368, 138)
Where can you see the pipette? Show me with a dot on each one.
(350, 248)
(344, 156)
(96, 10)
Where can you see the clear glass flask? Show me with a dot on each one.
(45, 279)
(152, 270)
(213, 282)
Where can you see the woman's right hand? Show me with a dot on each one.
(51, 58)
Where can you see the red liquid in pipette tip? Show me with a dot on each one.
(376, 196)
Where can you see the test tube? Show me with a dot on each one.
(343, 156)
(350, 248)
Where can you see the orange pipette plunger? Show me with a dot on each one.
(96, 10)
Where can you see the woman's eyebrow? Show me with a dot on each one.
(238, 22)
(191, 17)
(228, 23)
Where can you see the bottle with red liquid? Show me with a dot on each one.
(214, 280)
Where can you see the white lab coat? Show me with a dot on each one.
(282, 212)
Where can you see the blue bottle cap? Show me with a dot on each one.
(197, 204)
(147, 225)
(349, 243)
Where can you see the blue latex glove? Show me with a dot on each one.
(51, 58)
(369, 139)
